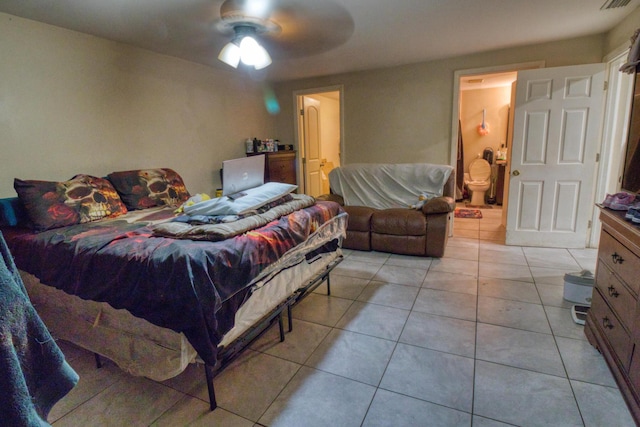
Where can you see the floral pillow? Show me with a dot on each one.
(146, 188)
(82, 199)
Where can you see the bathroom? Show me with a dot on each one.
(484, 126)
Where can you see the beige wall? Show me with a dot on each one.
(72, 103)
(403, 114)
(620, 36)
(496, 103)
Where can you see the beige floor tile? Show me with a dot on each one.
(458, 266)
(409, 261)
(389, 294)
(497, 236)
(194, 412)
(321, 309)
(356, 267)
(462, 242)
(471, 234)
(451, 282)
(466, 224)
(496, 270)
(317, 399)
(359, 357)
(136, 401)
(400, 275)
(297, 345)
(250, 384)
(375, 320)
(491, 225)
(461, 253)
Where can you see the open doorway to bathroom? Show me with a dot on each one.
(483, 147)
(319, 137)
(482, 131)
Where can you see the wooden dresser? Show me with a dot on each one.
(280, 166)
(613, 322)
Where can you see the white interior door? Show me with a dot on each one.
(312, 162)
(556, 135)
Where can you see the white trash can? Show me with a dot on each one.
(578, 287)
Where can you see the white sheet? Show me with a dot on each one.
(384, 186)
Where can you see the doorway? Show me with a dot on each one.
(481, 128)
(319, 137)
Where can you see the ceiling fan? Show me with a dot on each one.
(259, 30)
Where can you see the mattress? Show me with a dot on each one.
(141, 348)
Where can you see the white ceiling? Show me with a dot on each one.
(384, 32)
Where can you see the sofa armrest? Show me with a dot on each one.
(439, 205)
(331, 198)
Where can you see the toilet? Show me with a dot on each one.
(478, 180)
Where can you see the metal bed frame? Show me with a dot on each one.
(234, 349)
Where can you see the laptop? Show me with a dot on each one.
(241, 174)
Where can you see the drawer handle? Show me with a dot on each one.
(613, 292)
(607, 323)
(617, 259)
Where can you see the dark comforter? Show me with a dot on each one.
(194, 287)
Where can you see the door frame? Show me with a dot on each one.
(298, 125)
(615, 128)
(455, 114)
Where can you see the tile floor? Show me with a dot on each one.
(480, 337)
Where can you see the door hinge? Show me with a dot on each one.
(597, 157)
(302, 111)
(589, 224)
(606, 84)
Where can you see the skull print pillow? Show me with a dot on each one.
(146, 188)
(82, 199)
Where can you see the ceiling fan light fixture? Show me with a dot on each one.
(253, 54)
(244, 47)
(230, 54)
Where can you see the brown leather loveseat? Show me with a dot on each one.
(400, 230)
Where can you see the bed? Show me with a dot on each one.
(153, 293)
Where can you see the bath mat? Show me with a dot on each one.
(467, 204)
(467, 213)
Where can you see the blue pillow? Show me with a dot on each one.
(253, 199)
(11, 212)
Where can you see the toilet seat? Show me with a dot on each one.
(479, 171)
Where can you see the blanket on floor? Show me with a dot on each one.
(33, 372)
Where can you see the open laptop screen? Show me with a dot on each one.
(242, 174)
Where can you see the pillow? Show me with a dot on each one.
(83, 198)
(12, 212)
(146, 188)
(253, 199)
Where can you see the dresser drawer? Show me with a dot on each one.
(612, 329)
(616, 294)
(282, 170)
(620, 260)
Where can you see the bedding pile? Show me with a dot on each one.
(224, 230)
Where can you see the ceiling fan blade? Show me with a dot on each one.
(293, 28)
